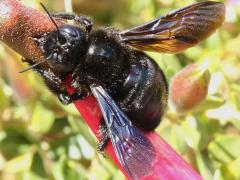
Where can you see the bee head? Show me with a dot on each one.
(63, 47)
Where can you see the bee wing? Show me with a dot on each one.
(134, 151)
(177, 30)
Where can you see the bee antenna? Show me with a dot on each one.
(32, 66)
(49, 15)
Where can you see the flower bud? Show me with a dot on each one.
(189, 87)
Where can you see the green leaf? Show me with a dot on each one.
(225, 148)
(101, 168)
(63, 169)
(207, 129)
(204, 167)
(3, 98)
(59, 126)
(191, 133)
(236, 123)
(224, 114)
(37, 170)
(13, 143)
(231, 170)
(86, 149)
(73, 149)
(211, 102)
(177, 139)
(80, 127)
(42, 119)
(38, 167)
(60, 146)
(71, 109)
(19, 164)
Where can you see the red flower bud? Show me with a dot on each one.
(189, 87)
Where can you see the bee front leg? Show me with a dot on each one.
(56, 84)
(82, 20)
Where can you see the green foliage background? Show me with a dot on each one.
(41, 139)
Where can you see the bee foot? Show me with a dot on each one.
(104, 134)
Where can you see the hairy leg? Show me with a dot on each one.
(55, 84)
(104, 134)
(82, 20)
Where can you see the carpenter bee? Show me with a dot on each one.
(110, 65)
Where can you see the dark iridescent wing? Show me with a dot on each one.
(134, 151)
(177, 30)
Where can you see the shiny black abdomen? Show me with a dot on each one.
(131, 77)
(143, 96)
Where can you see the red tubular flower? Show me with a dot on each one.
(18, 24)
(168, 164)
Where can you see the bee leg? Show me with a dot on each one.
(64, 98)
(82, 20)
(67, 99)
(104, 134)
(46, 73)
(55, 84)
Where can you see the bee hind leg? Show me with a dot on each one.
(104, 134)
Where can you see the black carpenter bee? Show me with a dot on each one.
(129, 86)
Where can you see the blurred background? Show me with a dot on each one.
(42, 139)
